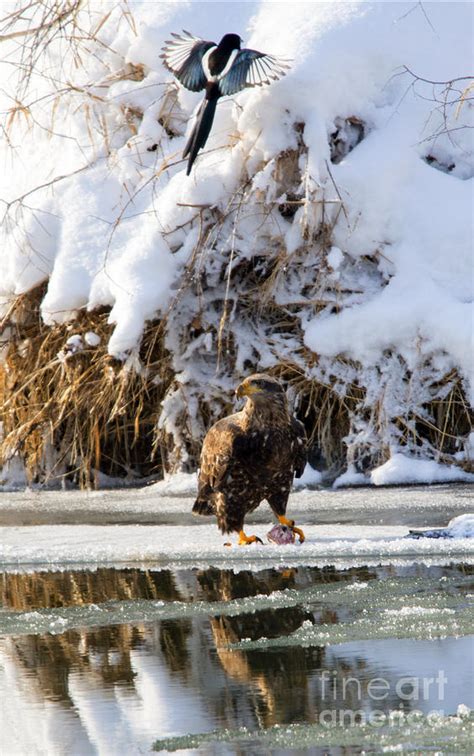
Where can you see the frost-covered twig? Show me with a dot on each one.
(449, 99)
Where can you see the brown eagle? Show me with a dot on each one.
(250, 456)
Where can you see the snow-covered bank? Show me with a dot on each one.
(325, 232)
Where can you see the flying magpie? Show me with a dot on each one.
(221, 70)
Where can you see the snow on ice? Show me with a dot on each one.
(47, 546)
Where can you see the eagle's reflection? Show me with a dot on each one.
(278, 682)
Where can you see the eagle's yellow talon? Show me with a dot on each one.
(291, 524)
(244, 540)
(299, 533)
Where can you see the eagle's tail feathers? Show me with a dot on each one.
(203, 507)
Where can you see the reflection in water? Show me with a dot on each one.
(138, 682)
(100, 653)
(51, 589)
(269, 680)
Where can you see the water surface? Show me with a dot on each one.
(120, 661)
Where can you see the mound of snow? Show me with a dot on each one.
(351, 478)
(400, 469)
(309, 479)
(462, 526)
(458, 527)
(13, 475)
(178, 484)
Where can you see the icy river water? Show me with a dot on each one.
(126, 627)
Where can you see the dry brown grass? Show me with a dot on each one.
(83, 414)
(89, 412)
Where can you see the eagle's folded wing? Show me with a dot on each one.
(183, 55)
(301, 447)
(252, 69)
(217, 456)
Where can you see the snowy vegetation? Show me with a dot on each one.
(324, 235)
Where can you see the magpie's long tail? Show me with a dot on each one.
(200, 132)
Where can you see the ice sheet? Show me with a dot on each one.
(56, 545)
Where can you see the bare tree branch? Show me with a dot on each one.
(43, 27)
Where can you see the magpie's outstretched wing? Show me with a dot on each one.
(252, 69)
(182, 55)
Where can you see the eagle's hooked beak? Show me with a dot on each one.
(246, 389)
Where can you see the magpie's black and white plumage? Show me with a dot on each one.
(220, 70)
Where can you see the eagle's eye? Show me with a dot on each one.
(265, 385)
